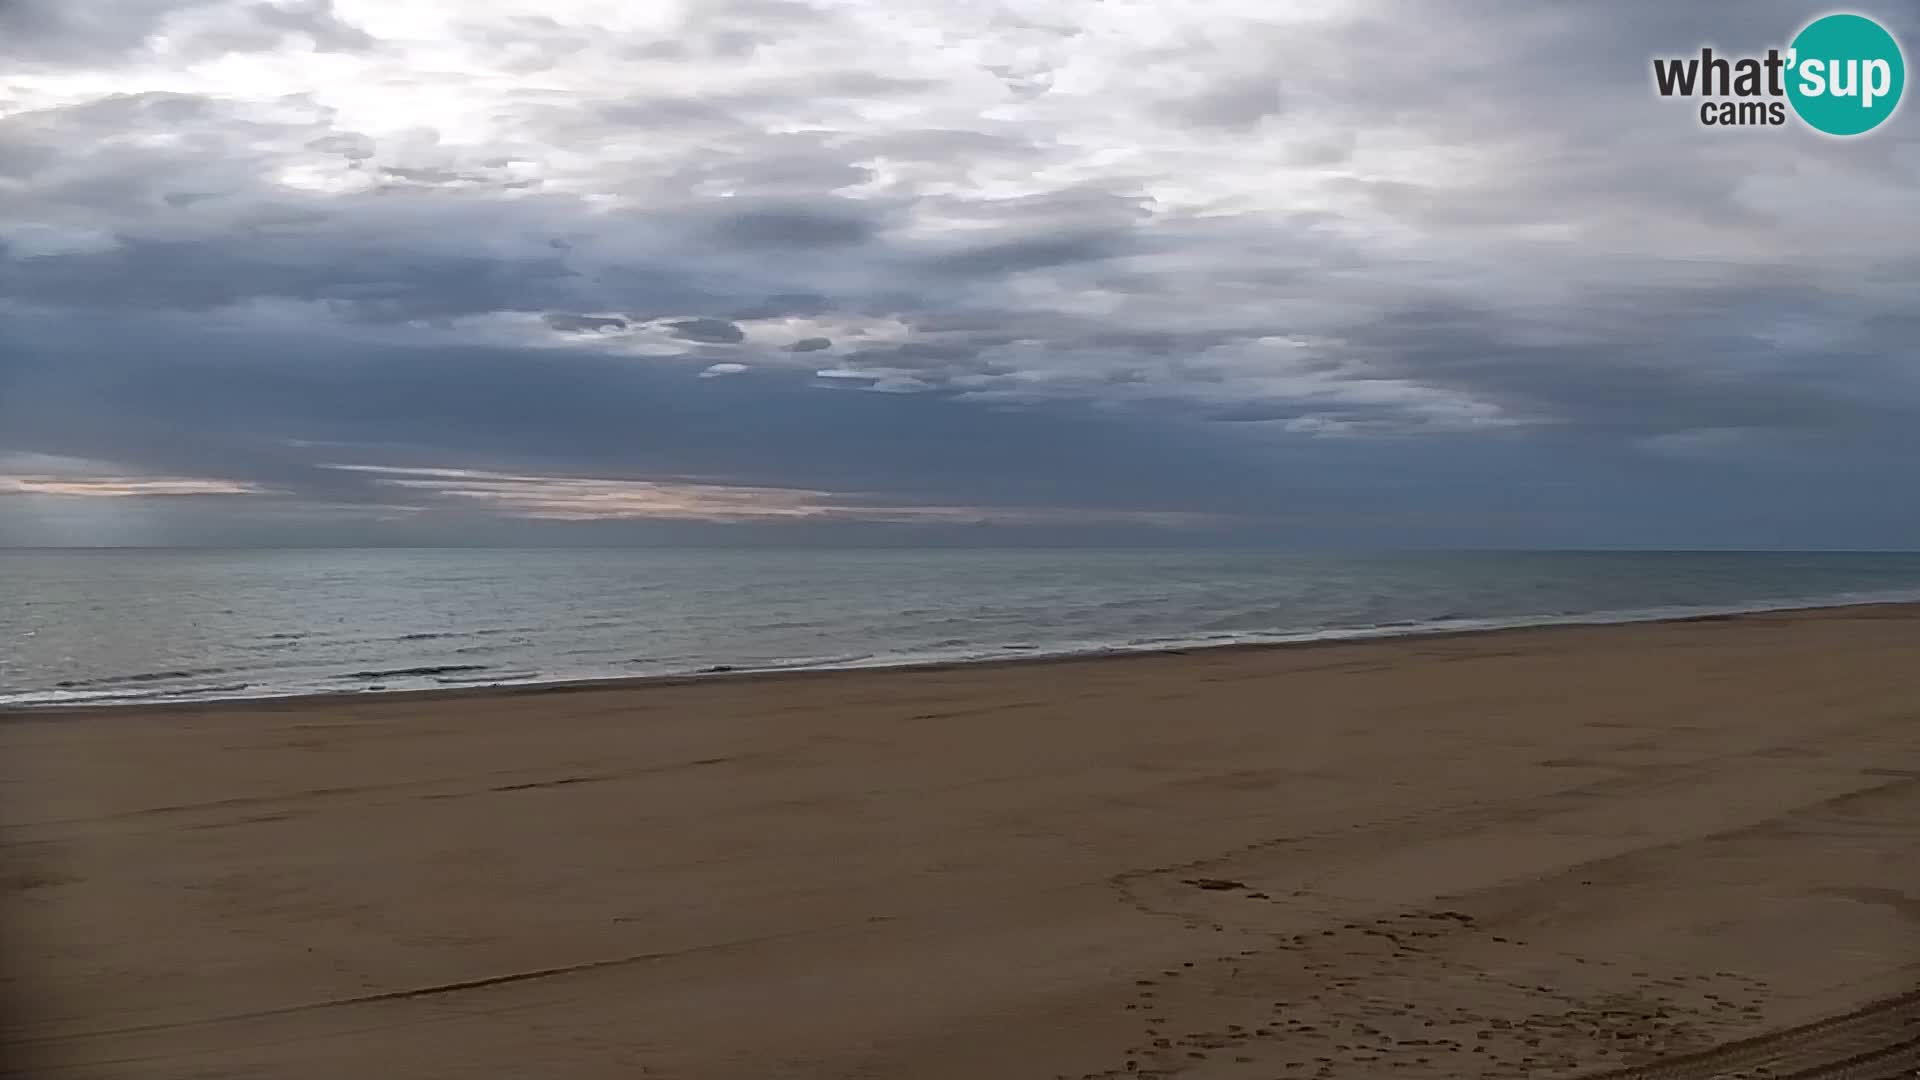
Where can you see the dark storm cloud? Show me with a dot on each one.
(1393, 260)
(782, 305)
(1030, 253)
(584, 323)
(233, 414)
(792, 228)
(712, 331)
(1675, 374)
(204, 276)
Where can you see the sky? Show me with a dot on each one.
(1378, 273)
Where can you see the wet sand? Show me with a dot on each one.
(1525, 853)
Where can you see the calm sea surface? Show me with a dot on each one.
(82, 627)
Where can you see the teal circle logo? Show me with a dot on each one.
(1845, 74)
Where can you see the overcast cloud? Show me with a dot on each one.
(1377, 272)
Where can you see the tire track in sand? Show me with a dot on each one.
(1878, 1042)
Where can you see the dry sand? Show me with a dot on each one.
(1535, 852)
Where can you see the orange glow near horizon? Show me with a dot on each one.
(121, 486)
(575, 498)
(586, 498)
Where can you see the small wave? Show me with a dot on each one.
(88, 697)
(198, 691)
(420, 672)
(846, 660)
(492, 677)
(790, 624)
(265, 646)
(176, 685)
(122, 695)
(138, 677)
(430, 636)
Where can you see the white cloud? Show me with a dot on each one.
(1358, 218)
(577, 498)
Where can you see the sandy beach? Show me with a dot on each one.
(1545, 852)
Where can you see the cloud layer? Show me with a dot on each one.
(1369, 272)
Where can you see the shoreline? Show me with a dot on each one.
(1546, 851)
(10, 713)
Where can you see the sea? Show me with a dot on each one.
(93, 627)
